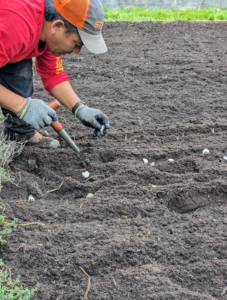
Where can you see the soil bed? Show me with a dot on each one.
(150, 231)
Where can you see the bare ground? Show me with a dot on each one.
(150, 231)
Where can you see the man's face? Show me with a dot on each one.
(61, 44)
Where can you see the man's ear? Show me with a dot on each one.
(57, 25)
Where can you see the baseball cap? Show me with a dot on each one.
(88, 17)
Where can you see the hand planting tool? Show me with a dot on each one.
(56, 125)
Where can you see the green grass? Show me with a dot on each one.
(11, 289)
(5, 227)
(142, 14)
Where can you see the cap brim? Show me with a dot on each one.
(93, 42)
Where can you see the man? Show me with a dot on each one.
(46, 30)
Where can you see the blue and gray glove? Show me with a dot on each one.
(92, 117)
(37, 113)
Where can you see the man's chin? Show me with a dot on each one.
(57, 54)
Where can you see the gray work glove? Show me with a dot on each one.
(37, 113)
(94, 118)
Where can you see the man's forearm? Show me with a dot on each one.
(64, 93)
(10, 100)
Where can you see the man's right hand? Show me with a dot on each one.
(37, 113)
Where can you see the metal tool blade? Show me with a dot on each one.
(68, 140)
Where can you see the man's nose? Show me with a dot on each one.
(77, 50)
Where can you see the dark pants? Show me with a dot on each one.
(18, 78)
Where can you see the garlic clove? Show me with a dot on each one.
(31, 198)
(85, 174)
(171, 160)
(89, 195)
(206, 151)
(145, 161)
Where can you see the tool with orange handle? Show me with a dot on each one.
(56, 125)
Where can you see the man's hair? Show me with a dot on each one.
(51, 14)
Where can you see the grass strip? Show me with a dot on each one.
(145, 14)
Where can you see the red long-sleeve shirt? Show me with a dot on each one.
(21, 24)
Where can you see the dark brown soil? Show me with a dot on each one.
(150, 231)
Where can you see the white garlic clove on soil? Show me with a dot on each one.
(170, 160)
(89, 195)
(85, 174)
(31, 198)
(145, 161)
(206, 151)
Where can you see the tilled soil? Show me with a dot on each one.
(151, 231)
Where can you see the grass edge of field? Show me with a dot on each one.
(146, 14)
